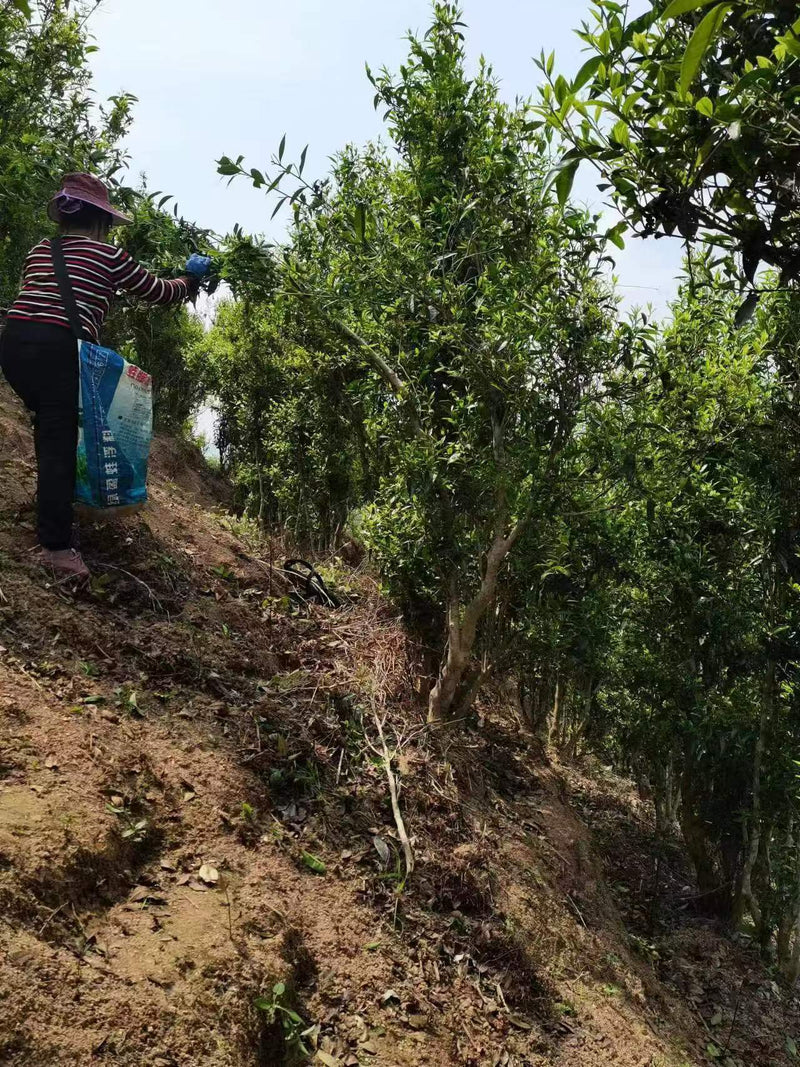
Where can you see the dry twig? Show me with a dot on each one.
(398, 817)
(154, 599)
(50, 918)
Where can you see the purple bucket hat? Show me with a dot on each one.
(77, 189)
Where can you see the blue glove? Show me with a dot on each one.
(198, 265)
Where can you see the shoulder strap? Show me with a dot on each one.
(65, 288)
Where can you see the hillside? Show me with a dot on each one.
(194, 808)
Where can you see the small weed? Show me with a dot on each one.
(87, 669)
(281, 746)
(132, 828)
(563, 1007)
(245, 528)
(307, 777)
(314, 863)
(397, 878)
(224, 572)
(98, 586)
(610, 990)
(287, 683)
(644, 948)
(275, 1010)
(127, 700)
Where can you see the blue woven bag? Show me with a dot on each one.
(115, 417)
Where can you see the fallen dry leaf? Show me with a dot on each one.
(208, 874)
(382, 849)
(143, 892)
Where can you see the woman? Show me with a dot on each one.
(38, 348)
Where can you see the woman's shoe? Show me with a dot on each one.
(66, 563)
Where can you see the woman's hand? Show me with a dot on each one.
(192, 284)
(198, 266)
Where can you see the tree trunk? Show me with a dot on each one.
(788, 954)
(262, 504)
(695, 837)
(746, 898)
(536, 702)
(581, 716)
(554, 718)
(462, 627)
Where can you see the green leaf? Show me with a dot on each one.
(314, 863)
(699, 44)
(615, 234)
(360, 223)
(680, 7)
(281, 148)
(566, 176)
(293, 1016)
(586, 73)
(226, 166)
(303, 159)
(23, 6)
(620, 133)
(705, 106)
(791, 1046)
(278, 989)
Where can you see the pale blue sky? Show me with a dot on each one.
(232, 77)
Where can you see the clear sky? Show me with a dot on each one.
(220, 77)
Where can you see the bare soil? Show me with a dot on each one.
(194, 808)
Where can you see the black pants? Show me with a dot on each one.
(40, 364)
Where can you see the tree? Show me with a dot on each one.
(292, 434)
(48, 124)
(477, 303)
(689, 112)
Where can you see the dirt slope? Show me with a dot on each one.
(194, 808)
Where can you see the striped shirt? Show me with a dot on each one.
(97, 271)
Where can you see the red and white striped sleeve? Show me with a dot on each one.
(131, 277)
